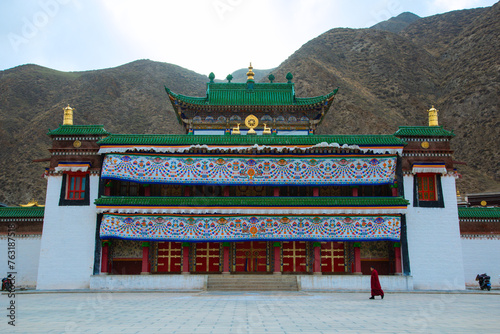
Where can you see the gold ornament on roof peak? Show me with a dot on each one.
(433, 116)
(250, 73)
(68, 116)
(31, 203)
(251, 122)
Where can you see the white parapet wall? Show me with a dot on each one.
(353, 283)
(481, 255)
(68, 240)
(434, 244)
(148, 282)
(26, 249)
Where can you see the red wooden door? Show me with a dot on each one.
(251, 256)
(169, 257)
(294, 256)
(332, 257)
(207, 257)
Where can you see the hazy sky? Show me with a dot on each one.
(205, 36)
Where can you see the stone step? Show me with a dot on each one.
(251, 283)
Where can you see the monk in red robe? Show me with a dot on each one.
(375, 283)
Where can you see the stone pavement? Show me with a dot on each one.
(251, 312)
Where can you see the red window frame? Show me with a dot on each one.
(75, 186)
(426, 183)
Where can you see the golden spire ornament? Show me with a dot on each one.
(433, 116)
(68, 116)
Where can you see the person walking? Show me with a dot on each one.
(375, 284)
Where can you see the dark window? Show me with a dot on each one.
(427, 191)
(74, 189)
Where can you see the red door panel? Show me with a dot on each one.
(332, 257)
(294, 256)
(169, 257)
(207, 257)
(251, 256)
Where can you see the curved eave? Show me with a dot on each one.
(252, 206)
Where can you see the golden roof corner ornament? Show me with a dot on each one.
(31, 204)
(251, 122)
(433, 116)
(68, 116)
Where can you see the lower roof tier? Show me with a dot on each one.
(252, 205)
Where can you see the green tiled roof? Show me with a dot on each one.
(423, 131)
(262, 94)
(252, 201)
(479, 212)
(72, 130)
(20, 212)
(123, 139)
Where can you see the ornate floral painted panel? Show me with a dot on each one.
(244, 228)
(344, 170)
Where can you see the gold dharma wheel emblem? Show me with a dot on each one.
(425, 144)
(77, 143)
(483, 203)
(251, 122)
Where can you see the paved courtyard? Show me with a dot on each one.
(247, 312)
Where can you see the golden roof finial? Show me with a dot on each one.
(433, 116)
(31, 203)
(250, 73)
(68, 116)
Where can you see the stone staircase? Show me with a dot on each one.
(252, 283)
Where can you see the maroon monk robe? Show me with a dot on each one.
(376, 288)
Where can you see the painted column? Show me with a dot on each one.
(355, 191)
(147, 190)
(225, 269)
(317, 258)
(187, 191)
(277, 257)
(357, 258)
(107, 189)
(185, 258)
(316, 192)
(226, 191)
(397, 259)
(276, 192)
(105, 257)
(145, 259)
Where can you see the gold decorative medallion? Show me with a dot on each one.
(77, 143)
(251, 122)
(425, 144)
(483, 203)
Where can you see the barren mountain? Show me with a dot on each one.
(386, 79)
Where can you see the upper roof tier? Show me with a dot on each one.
(226, 105)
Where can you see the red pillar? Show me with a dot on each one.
(276, 192)
(147, 190)
(226, 191)
(107, 189)
(187, 191)
(357, 258)
(316, 192)
(317, 258)
(145, 259)
(185, 258)
(104, 257)
(277, 258)
(355, 191)
(225, 269)
(394, 192)
(397, 259)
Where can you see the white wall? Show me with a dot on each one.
(68, 240)
(434, 245)
(27, 248)
(481, 255)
